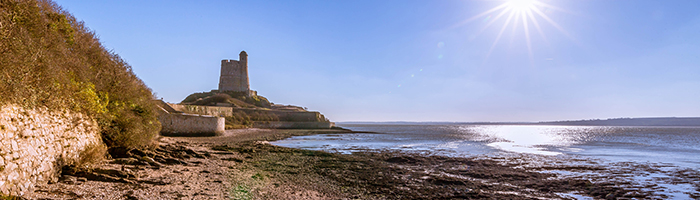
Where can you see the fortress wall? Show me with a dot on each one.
(234, 76)
(34, 144)
(296, 116)
(230, 73)
(294, 125)
(191, 125)
(204, 110)
(290, 116)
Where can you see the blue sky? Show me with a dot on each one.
(419, 60)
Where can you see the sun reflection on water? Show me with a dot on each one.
(529, 138)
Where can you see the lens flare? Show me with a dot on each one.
(523, 13)
(521, 5)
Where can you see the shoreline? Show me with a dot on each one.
(241, 164)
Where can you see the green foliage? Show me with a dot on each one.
(238, 119)
(238, 99)
(3, 197)
(195, 96)
(263, 116)
(241, 192)
(256, 100)
(258, 176)
(212, 98)
(241, 119)
(51, 60)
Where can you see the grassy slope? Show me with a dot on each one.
(50, 59)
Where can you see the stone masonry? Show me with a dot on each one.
(176, 123)
(34, 144)
(234, 75)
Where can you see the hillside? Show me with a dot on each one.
(233, 99)
(52, 61)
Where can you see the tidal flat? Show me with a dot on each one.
(242, 164)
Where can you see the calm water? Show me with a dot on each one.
(649, 157)
(679, 146)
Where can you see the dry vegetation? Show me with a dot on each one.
(236, 99)
(50, 59)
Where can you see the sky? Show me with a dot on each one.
(406, 60)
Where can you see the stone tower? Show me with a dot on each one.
(234, 75)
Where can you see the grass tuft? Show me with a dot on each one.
(93, 154)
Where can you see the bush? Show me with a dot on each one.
(51, 60)
(91, 155)
(238, 119)
(239, 99)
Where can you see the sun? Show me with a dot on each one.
(519, 13)
(521, 5)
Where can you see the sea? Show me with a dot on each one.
(663, 159)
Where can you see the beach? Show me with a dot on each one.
(242, 164)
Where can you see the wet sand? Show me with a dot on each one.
(241, 164)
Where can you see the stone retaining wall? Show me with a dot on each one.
(294, 125)
(34, 144)
(203, 110)
(283, 115)
(178, 124)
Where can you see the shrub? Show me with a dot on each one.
(92, 154)
(238, 119)
(49, 59)
(239, 99)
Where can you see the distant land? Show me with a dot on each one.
(651, 121)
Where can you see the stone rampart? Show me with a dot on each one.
(234, 74)
(294, 125)
(203, 110)
(34, 144)
(283, 115)
(178, 124)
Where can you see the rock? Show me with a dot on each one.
(155, 181)
(610, 196)
(118, 152)
(172, 161)
(232, 159)
(130, 195)
(150, 161)
(116, 173)
(137, 152)
(128, 161)
(94, 176)
(68, 179)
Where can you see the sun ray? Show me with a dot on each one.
(492, 22)
(526, 10)
(515, 26)
(537, 26)
(504, 5)
(500, 33)
(545, 17)
(555, 8)
(527, 38)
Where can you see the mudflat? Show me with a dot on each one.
(241, 164)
